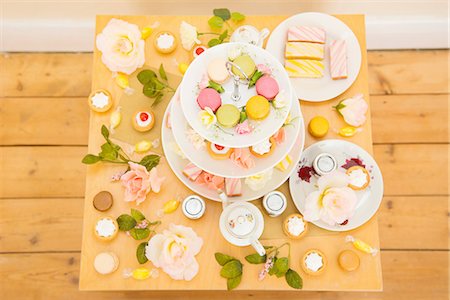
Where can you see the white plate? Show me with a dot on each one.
(227, 136)
(325, 88)
(226, 168)
(177, 164)
(369, 198)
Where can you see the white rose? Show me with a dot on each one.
(353, 110)
(280, 100)
(258, 181)
(122, 46)
(188, 35)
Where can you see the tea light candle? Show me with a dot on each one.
(193, 207)
(274, 203)
(324, 163)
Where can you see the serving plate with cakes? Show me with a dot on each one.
(320, 53)
(220, 160)
(236, 95)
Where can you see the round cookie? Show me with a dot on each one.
(165, 42)
(209, 98)
(106, 263)
(247, 65)
(143, 120)
(348, 260)
(318, 126)
(228, 115)
(217, 70)
(103, 201)
(257, 108)
(106, 228)
(217, 151)
(267, 87)
(100, 100)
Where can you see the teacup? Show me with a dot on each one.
(250, 35)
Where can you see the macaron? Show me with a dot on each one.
(257, 108)
(267, 87)
(247, 65)
(348, 260)
(217, 70)
(209, 98)
(318, 126)
(103, 201)
(106, 263)
(228, 115)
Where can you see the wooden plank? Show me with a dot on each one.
(408, 275)
(408, 169)
(44, 121)
(69, 74)
(64, 121)
(43, 220)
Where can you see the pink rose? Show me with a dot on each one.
(212, 182)
(243, 128)
(174, 251)
(333, 203)
(353, 110)
(264, 69)
(242, 158)
(138, 182)
(280, 136)
(203, 84)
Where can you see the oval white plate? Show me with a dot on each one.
(325, 88)
(226, 168)
(369, 198)
(177, 164)
(227, 136)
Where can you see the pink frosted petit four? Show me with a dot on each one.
(306, 34)
(338, 59)
(191, 171)
(233, 187)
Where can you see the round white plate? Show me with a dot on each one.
(369, 198)
(325, 88)
(227, 136)
(226, 168)
(177, 165)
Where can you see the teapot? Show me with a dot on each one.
(250, 35)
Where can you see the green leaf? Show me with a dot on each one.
(108, 152)
(216, 86)
(145, 76)
(105, 132)
(140, 253)
(126, 222)
(293, 279)
(215, 22)
(233, 283)
(140, 233)
(90, 159)
(162, 72)
(231, 269)
(257, 75)
(273, 270)
(214, 42)
(150, 161)
(243, 117)
(222, 259)
(158, 99)
(282, 266)
(158, 84)
(223, 35)
(339, 106)
(223, 13)
(237, 17)
(149, 89)
(137, 215)
(256, 258)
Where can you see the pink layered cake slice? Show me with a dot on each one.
(191, 171)
(233, 187)
(306, 34)
(338, 59)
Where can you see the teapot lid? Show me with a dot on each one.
(241, 221)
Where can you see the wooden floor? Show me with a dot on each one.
(43, 136)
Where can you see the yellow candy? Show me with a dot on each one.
(143, 146)
(115, 118)
(170, 206)
(318, 126)
(122, 80)
(141, 274)
(146, 32)
(182, 67)
(348, 131)
(360, 245)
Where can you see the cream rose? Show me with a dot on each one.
(353, 110)
(188, 35)
(174, 252)
(258, 181)
(207, 117)
(122, 46)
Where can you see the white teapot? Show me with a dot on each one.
(250, 35)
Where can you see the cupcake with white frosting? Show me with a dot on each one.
(106, 228)
(294, 226)
(359, 178)
(314, 262)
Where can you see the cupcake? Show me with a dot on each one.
(106, 228)
(264, 149)
(100, 100)
(294, 226)
(165, 42)
(143, 120)
(314, 262)
(359, 178)
(218, 152)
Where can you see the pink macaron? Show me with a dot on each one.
(267, 87)
(209, 98)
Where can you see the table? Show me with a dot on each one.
(367, 278)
